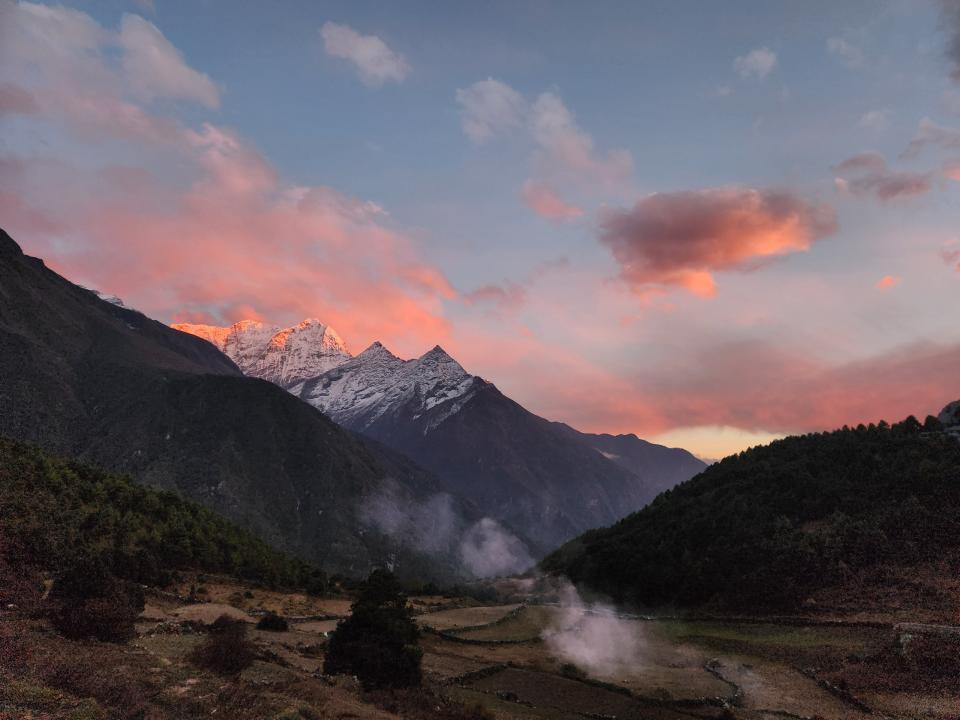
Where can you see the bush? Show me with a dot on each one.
(87, 601)
(378, 642)
(273, 622)
(227, 650)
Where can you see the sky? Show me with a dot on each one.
(709, 224)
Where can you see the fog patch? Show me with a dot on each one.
(592, 636)
(435, 527)
(431, 526)
(489, 550)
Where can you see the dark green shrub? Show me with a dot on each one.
(227, 650)
(378, 642)
(273, 622)
(87, 601)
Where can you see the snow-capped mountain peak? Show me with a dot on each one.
(285, 356)
(361, 390)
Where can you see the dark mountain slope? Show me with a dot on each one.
(773, 525)
(661, 467)
(517, 467)
(86, 378)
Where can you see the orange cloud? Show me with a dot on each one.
(683, 238)
(887, 282)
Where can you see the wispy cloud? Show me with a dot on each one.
(930, 134)
(868, 174)
(565, 156)
(756, 64)
(547, 204)
(875, 120)
(489, 107)
(848, 52)
(375, 62)
(154, 68)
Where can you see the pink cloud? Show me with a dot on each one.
(16, 100)
(951, 170)
(682, 238)
(755, 385)
(210, 230)
(547, 204)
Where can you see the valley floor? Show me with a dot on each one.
(493, 657)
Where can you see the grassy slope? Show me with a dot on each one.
(768, 527)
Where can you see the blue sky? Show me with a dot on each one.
(760, 246)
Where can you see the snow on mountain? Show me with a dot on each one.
(360, 390)
(285, 356)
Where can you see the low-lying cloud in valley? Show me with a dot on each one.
(489, 550)
(593, 636)
(433, 526)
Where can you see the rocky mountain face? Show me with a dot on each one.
(86, 378)
(368, 389)
(285, 356)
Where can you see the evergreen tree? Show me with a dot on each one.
(378, 642)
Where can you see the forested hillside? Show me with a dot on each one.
(768, 527)
(54, 512)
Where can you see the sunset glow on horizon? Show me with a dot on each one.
(710, 250)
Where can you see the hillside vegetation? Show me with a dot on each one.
(55, 512)
(768, 527)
